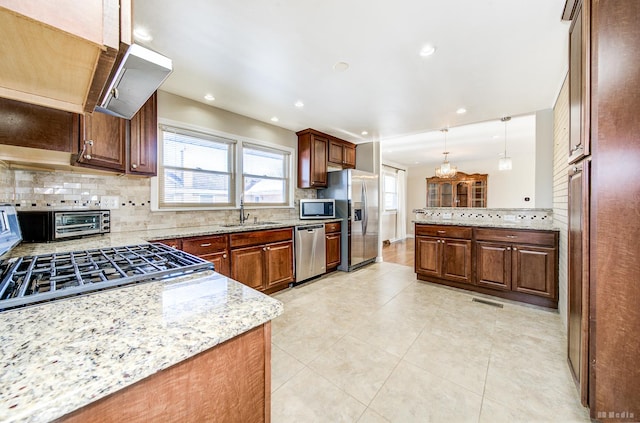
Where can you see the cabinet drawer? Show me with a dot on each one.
(203, 245)
(444, 231)
(516, 236)
(246, 239)
(170, 242)
(332, 227)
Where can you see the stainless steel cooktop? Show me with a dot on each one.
(33, 279)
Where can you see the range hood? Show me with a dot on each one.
(140, 73)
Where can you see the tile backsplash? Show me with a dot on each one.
(485, 215)
(58, 190)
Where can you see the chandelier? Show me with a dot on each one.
(505, 162)
(446, 170)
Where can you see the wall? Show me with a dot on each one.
(506, 189)
(29, 189)
(544, 158)
(560, 189)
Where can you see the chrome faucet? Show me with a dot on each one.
(243, 218)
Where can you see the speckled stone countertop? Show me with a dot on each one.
(535, 225)
(62, 355)
(118, 239)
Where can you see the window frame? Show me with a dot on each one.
(393, 175)
(237, 174)
(287, 171)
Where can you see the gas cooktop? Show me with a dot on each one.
(34, 279)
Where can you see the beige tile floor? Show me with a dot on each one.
(376, 345)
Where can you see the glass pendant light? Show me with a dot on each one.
(505, 162)
(446, 170)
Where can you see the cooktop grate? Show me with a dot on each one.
(45, 277)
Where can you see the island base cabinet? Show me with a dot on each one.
(493, 265)
(448, 259)
(534, 271)
(227, 383)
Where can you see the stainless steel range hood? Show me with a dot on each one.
(140, 73)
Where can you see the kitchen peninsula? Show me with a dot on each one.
(508, 253)
(183, 347)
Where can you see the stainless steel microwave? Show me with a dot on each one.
(52, 225)
(317, 208)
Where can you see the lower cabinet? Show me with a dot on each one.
(214, 248)
(521, 265)
(444, 252)
(263, 260)
(332, 238)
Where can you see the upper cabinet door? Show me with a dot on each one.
(579, 84)
(102, 142)
(143, 143)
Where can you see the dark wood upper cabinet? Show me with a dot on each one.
(312, 159)
(463, 190)
(579, 90)
(28, 125)
(102, 142)
(342, 153)
(143, 140)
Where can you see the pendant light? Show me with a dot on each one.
(505, 162)
(446, 170)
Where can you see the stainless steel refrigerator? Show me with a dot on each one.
(356, 195)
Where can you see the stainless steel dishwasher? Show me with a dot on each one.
(311, 256)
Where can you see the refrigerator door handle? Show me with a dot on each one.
(365, 218)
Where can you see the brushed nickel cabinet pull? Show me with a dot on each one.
(207, 244)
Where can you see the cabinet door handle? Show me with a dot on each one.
(442, 232)
(87, 156)
(508, 248)
(206, 244)
(264, 248)
(512, 236)
(134, 166)
(224, 256)
(515, 249)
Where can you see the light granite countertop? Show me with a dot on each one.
(62, 355)
(118, 239)
(531, 225)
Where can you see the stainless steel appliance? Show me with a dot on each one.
(53, 225)
(320, 208)
(356, 196)
(311, 255)
(9, 229)
(34, 279)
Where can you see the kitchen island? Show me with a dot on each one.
(185, 348)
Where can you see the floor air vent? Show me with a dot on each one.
(491, 303)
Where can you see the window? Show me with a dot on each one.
(196, 169)
(390, 192)
(265, 175)
(199, 170)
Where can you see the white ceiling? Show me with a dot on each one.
(258, 57)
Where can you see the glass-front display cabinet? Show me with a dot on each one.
(462, 190)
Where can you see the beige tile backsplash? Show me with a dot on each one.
(41, 190)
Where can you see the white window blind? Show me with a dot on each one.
(265, 175)
(197, 169)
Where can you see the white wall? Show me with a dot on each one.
(544, 159)
(180, 109)
(506, 189)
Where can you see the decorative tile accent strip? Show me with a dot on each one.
(538, 218)
(61, 190)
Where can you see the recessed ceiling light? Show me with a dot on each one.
(364, 133)
(461, 111)
(142, 34)
(427, 50)
(341, 66)
(299, 104)
(209, 97)
(274, 119)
